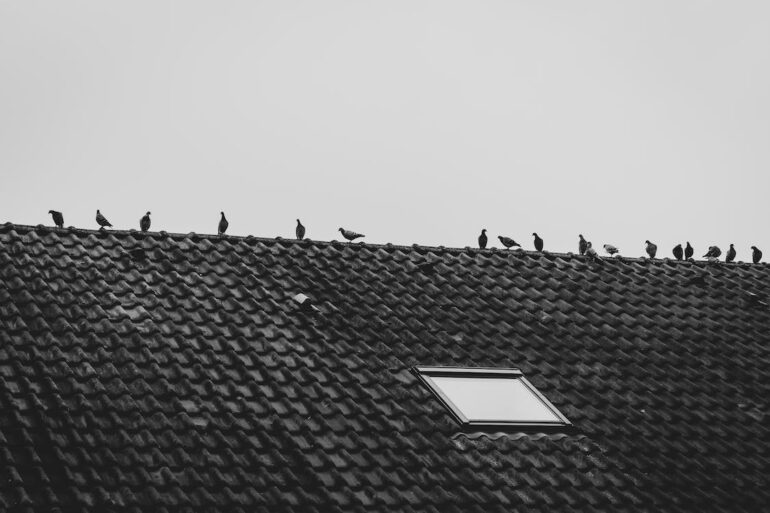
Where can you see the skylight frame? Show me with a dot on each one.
(427, 373)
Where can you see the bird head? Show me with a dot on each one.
(97, 211)
(340, 230)
(298, 221)
(688, 244)
(581, 236)
(754, 248)
(534, 234)
(223, 214)
(483, 230)
(646, 242)
(731, 245)
(50, 211)
(589, 244)
(148, 212)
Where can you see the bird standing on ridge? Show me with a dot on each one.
(144, 223)
(483, 239)
(101, 220)
(756, 254)
(713, 252)
(583, 245)
(58, 218)
(590, 251)
(678, 252)
(730, 256)
(652, 249)
(223, 224)
(609, 248)
(300, 231)
(350, 235)
(688, 251)
(508, 242)
(538, 242)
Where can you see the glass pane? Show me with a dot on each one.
(487, 399)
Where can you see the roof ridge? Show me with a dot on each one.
(6, 227)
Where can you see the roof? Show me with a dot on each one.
(175, 373)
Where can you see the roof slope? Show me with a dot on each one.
(174, 373)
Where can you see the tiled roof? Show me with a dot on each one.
(157, 372)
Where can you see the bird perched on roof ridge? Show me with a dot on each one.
(144, 222)
(101, 220)
(688, 251)
(609, 248)
(299, 231)
(538, 242)
(583, 245)
(713, 252)
(58, 218)
(350, 235)
(590, 251)
(678, 252)
(756, 254)
(652, 249)
(223, 224)
(730, 255)
(508, 242)
(483, 238)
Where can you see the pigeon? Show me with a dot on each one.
(583, 245)
(538, 242)
(483, 239)
(591, 252)
(300, 231)
(144, 223)
(688, 251)
(678, 252)
(58, 219)
(101, 220)
(609, 248)
(652, 249)
(730, 256)
(223, 224)
(713, 252)
(508, 242)
(756, 254)
(350, 235)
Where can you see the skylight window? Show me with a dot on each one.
(491, 397)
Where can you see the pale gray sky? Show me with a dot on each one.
(410, 121)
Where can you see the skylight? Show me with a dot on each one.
(494, 397)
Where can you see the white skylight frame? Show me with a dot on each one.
(426, 374)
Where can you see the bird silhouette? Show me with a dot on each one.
(688, 251)
(101, 220)
(713, 252)
(483, 239)
(609, 248)
(350, 235)
(144, 223)
(652, 249)
(58, 218)
(538, 242)
(678, 252)
(756, 254)
(223, 224)
(730, 255)
(583, 245)
(300, 231)
(508, 242)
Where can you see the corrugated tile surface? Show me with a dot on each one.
(174, 373)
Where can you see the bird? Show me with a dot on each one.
(590, 251)
(350, 235)
(609, 248)
(678, 252)
(508, 242)
(101, 220)
(713, 252)
(730, 256)
(483, 239)
(688, 251)
(538, 242)
(756, 254)
(583, 245)
(223, 224)
(144, 223)
(300, 231)
(58, 219)
(652, 249)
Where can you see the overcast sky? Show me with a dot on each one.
(410, 121)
